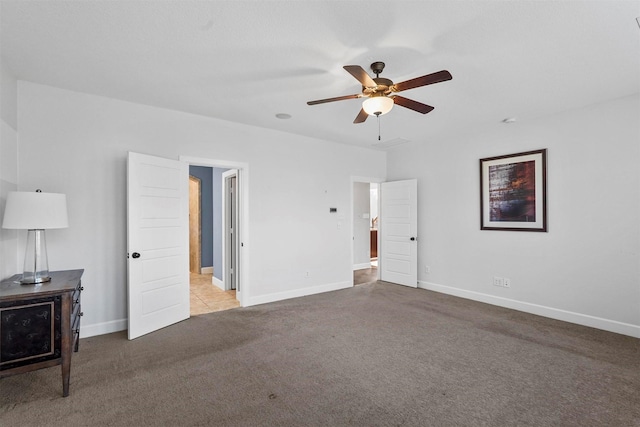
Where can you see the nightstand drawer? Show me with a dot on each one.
(33, 331)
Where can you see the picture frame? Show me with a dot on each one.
(513, 192)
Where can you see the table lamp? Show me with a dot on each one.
(35, 211)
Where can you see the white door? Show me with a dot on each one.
(398, 230)
(231, 231)
(158, 242)
(232, 227)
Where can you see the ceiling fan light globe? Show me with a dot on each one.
(377, 105)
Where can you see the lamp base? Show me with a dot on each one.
(34, 280)
(36, 265)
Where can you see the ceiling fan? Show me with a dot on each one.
(380, 92)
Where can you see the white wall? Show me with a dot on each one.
(8, 165)
(586, 269)
(361, 226)
(79, 143)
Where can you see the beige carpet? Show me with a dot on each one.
(371, 355)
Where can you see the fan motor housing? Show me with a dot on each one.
(383, 86)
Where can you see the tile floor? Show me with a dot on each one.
(207, 298)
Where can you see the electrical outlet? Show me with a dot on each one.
(498, 281)
(427, 269)
(507, 282)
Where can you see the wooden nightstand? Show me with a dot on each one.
(40, 324)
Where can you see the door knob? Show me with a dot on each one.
(135, 255)
(412, 239)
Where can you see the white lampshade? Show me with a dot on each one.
(377, 105)
(35, 211)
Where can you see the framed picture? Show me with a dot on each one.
(513, 192)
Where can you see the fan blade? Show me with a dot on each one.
(338, 98)
(412, 105)
(429, 79)
(361, 117)
(361, 75)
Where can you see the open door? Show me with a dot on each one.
(157, 243)
(398, 230)
(231, 232)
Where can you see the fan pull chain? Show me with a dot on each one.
(378, 116)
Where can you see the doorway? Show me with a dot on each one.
(207, 218)
(222, 277)
(397, 224)
(365, 231)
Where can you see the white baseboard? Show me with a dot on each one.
(362, 266)
(218, 283)
(103, 328)
(279, 296)
(553, 313)
(206, 270)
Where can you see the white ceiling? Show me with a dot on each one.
(246, 61)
